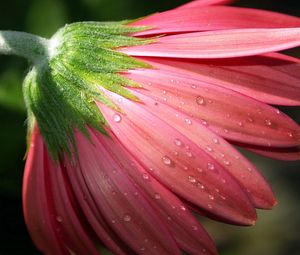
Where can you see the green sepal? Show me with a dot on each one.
(61, 94)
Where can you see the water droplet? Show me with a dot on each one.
(172, 81)
(277, 111)
(200, 100)
(142, 248)
(211, 197)
(189, 154)
(192, 179)
(216, 140)
(209, 149)
(240, 124)
(185, 168)
(59, 219)
(178, 142)
(164, 92)
(199, 169)
(166, 160)
(188, 121)
(210, 166)
(290, 134)
(225, 130)
(250, 120)
(117, 118)
(183, 208)
(204, 122)
(157, 196)
(193, 86)
(226, 162)
(113, 221)
(249, 169)
(145, 176)
(268, 122)
(127, 218)
(200, 185)
(195, 228)
(223, 197)
(209, 206)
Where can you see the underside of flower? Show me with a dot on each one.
(62, 91)
(151, 110)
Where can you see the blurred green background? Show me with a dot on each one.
(277, 232)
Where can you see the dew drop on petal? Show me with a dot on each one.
(178, 142)
(268, 122)
(209, 206)
(211, 197)
(226, 162)
(210, 166)
(156, 196)
(216, 140)
(200, 185)
(127, 218)
(183, 208)
(192, 179)
(195, 228)
(59, 219)
(166, 160)
(200, 100)
(188, 121)
(189, 154)
(145, 176)
(117, 118)
(209, 149)
(199, 169)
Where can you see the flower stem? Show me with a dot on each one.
(31, 47)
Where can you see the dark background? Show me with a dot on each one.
(277, 232)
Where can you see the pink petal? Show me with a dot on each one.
(220, 44)
(187, 231)
(151, 141)
(200, 3)
(131, 216)
(234, 162)
(273, 78)
(93, 215)
(38, 209)
(72, 227)
(186, 20)
(288, 154)
(230, 114)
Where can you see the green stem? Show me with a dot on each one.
(31, 47)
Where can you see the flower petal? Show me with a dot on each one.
(38, 209)
(187, 231)
(220, 44)
(198, 179)
(272, 78)
(228, 113)
(184, 20)
(288, 154)
(200, 3)
(72, 227)
(234, 162)
(131, 216)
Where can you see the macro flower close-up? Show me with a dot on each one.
(137, 129)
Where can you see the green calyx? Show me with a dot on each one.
(61, 93)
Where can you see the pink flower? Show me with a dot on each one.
(212, 79)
